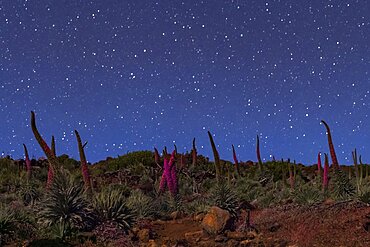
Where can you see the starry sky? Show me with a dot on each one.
(133, 74)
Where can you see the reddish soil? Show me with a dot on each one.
(328, 224)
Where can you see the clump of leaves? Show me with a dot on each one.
(7, 225)
(224, 197)
(64, 206)
(30, 194)
(140, 204)
(308, 195)
(199, 205)
(110, 206)
(342, 187)
(248, 189)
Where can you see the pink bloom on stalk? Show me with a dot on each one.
(169, 175)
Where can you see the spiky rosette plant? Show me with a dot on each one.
(224, 197)
(110, 206)
(64, 205)
(53, 161)
(331, 146)
(28, 162)
(140, 204)
(236, 163)
(84, 167)
(342, 187)
(216, 157)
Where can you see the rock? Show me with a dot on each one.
(199, 217)
(152, 243)
(329, 201)
(367, 226)
(220, 239)
(240, 236)
(232, 243)
(246, 243)
(143, 235)
(274, 227)
(216, 220)
(194, 236)
(176, 215)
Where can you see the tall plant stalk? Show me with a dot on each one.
(216, 157)
(331, 146)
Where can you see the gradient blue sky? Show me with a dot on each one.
(131, 75)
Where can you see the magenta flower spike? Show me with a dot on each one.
(169, 177)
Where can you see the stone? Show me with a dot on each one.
(199, 217)
(220, 239)
(152, 243)
(143, 235)
(246, 243)
(274, 227)
(238, 235)
(194, 236)
(216, 220)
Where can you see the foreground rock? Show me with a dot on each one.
(216, 220)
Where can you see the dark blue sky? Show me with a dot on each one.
(130, 75)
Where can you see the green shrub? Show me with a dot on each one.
(224, 197)
(140, 204)
(64, 206)
(110, 205)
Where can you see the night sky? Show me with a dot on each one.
(131, 75)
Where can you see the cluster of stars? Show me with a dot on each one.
(137, 74)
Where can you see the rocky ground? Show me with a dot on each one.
(326, 224)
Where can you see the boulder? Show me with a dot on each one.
(216, 220)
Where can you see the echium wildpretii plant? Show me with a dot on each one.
(50, 170)
(216, 157)
(325, 178)
(169, 176)
(236, 162)
(331, 146)
(319, 164)
(28, 162)
(194, 154)
(53, 161)
(258, 152)
(84, 167)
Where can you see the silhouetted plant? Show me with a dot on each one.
(84, 167)
(331, 146)
(216, 157)
(236, 163)
(325, 179)
(28, 162)
(53, 162)
(194, 154)
(259, 160)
